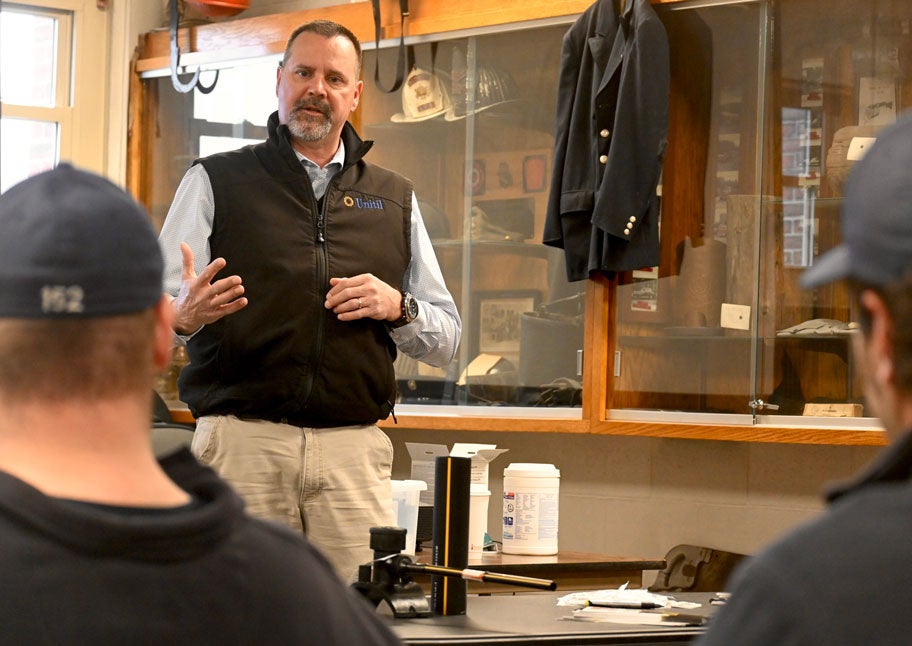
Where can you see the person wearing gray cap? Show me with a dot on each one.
(844, 577)
(102, 543)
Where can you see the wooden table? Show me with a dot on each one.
(570, 570)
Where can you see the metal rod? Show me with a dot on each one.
(481, 575)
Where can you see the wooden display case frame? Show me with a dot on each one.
(246, 38)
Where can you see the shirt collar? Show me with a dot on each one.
(338, 158)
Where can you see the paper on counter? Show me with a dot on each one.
(620, 595)
(621, 615)
(623, 595)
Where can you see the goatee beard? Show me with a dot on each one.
(309, 127)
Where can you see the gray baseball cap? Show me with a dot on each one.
(876, 217)
(72, 244)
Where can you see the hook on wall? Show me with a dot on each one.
(194, 82)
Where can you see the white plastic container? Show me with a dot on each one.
(405, 509)
(530, 508)
(478, 516)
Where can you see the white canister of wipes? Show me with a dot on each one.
(530, 508)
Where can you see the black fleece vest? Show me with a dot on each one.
(285, 357)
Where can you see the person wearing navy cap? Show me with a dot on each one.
(844, 577)
(102, 543)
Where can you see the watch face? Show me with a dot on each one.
(411, 307)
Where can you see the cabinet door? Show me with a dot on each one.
(180, 128)
(770, 103)
(472, 127)
(838, 77)
(684, 338)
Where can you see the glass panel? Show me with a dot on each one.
(677, 349)
(28, 58)
(481, 168)
(473, 129)
(233, 115)
(839, 77)
(768, 117)
(247, 95)
(26, 148)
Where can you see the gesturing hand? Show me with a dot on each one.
(202, 301)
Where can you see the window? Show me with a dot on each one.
(45, 47)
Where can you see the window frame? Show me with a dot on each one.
(81, 91)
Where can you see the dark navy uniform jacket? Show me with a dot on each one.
(611, 132)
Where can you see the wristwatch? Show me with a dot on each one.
(409, 311)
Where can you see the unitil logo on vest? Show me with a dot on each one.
(363, 203)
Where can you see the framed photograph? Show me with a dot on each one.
(534, 167)
(497, 316)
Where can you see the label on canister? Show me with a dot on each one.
(530, 508)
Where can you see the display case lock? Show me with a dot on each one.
(759, 404)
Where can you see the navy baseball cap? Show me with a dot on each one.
(72, 244)
(876, 216)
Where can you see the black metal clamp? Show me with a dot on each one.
(388, 577)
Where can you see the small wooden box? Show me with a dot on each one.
(834, 410)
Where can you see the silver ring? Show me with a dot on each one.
(359, 304)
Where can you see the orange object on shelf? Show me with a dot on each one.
(218, 8)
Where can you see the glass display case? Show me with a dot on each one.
(472, 128)
(770, 105)
(791, 98)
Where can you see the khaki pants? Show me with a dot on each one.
(331, 483)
